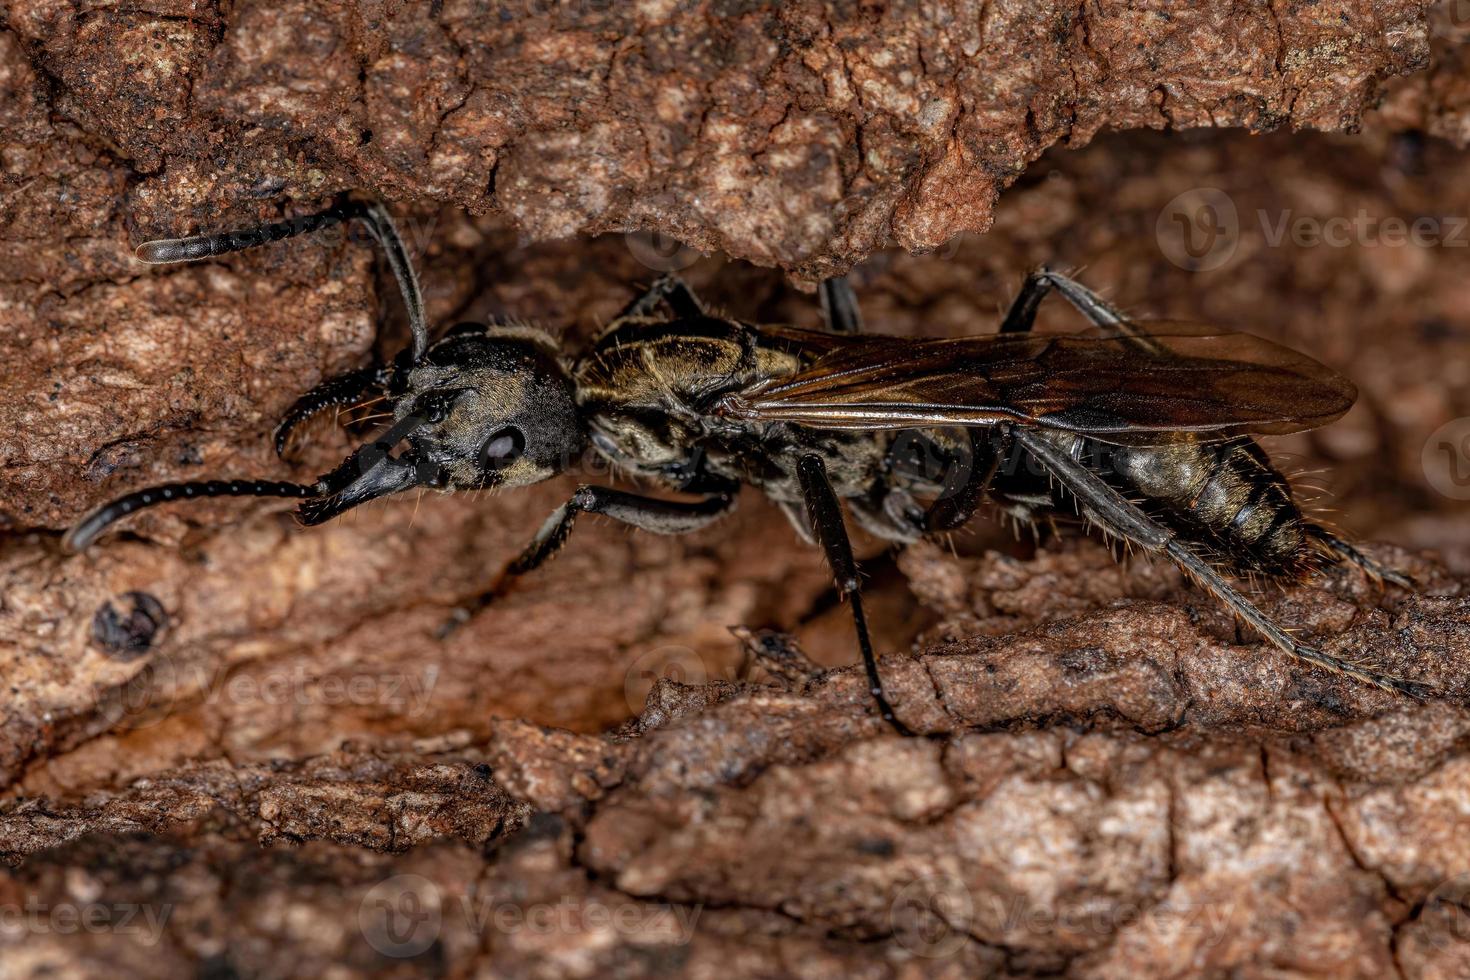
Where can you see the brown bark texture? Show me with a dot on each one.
(235, 747)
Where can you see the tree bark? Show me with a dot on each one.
(237, 746)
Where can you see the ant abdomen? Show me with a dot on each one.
(1230, 492)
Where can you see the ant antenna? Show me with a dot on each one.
(86, 530)
(374, 217)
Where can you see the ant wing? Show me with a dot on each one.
(1166, 378)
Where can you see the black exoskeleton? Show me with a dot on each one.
(1145, 432)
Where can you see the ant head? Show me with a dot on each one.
(484, 407)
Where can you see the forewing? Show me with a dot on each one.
(1178, 378)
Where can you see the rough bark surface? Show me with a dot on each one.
(805, 135)
(231, 746)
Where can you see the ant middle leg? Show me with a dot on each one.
(670, 289)
(825, 512)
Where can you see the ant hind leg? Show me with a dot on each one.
(1115, 514)
(1345, 552)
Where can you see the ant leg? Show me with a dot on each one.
(1113, 512)
(646, 513)
(826, 516)
(373, 216)
(1089, 304)
(1022, 315)
(1346, 552)
(341, 390)
(840, 306)
(965, 486)
(670, 289)
(969, 470)
(1101, 313)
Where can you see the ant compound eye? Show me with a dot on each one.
(502, 448)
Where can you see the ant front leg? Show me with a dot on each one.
(344, 389)
(646, 513)
(825, 512)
